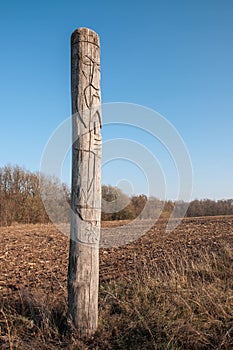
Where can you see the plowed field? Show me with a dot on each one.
(34, 257)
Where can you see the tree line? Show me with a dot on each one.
(21, 201)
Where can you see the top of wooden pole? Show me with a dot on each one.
(85, 35)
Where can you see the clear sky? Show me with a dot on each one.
(175, 57)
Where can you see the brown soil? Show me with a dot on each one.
(34, 257)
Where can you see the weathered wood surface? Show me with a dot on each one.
(83, 274)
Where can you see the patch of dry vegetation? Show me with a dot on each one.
(186, 305)
(180, 303)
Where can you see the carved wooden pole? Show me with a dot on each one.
(83, 273)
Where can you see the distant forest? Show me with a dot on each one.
(21, 202)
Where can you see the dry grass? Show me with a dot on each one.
(188, 305)
(181, 301)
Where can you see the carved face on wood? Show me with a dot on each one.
(87, 141)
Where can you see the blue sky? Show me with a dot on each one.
(175, 57)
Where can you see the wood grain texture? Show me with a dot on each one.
(83, 273)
